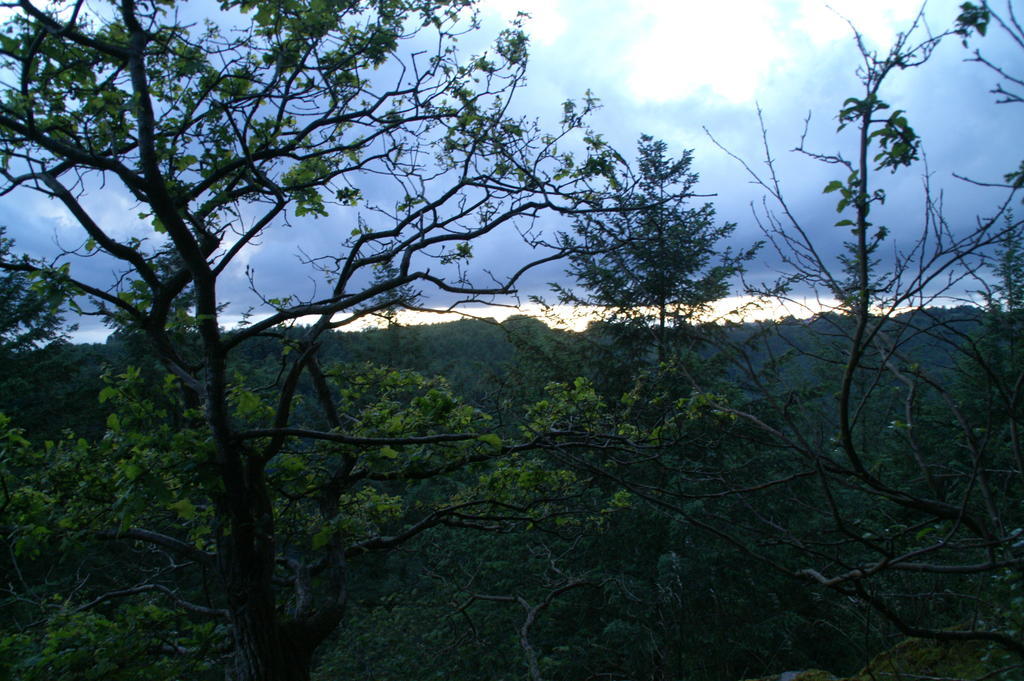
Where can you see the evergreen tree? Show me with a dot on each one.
(30, 314)
(650, 267)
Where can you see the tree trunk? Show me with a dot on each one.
(267, 651)
(266, 648)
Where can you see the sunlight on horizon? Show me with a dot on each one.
(730, 309)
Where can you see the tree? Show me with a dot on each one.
(32, 343)
(1010, 90)
(649, 269)
(871, 451)
(30, 312)
(235, 520)
(990, 368)
(907, 496)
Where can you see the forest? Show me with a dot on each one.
(671, 493)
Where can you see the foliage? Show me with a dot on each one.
(906, 471)
(33, 350)
(30, 310)
(279, 500)
(649, 266)
(977, 19)
(259, 493)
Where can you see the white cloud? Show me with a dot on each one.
(736, 51)
(683, 50)
(877, 20)
(546, 23)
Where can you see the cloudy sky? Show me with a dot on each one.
(670, 68)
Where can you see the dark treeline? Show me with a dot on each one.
(602, 583)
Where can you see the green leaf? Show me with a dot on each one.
(185, 509)
(491, 439)
(183, 162)
(834, 185)
(292, 463)
(131, 471)
(323, 536)
(621, 499)
(249, 404)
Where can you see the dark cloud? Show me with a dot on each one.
(591, 45)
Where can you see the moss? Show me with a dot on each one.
(913, 659)
(919, 657)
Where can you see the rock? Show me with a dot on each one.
(805, 675)
(912, 658)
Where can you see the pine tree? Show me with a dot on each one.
(650, 268)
